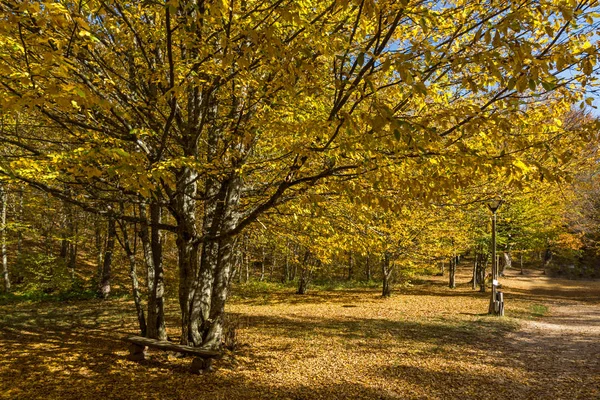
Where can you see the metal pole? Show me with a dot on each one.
(492, 309)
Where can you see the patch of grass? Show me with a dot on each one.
(36, 296)
(345, 285)
(539, 310)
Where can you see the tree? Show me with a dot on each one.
(3, 234)
(219, 112)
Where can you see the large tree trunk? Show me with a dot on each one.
(3, 232)
(111, 232)
(152, 248)
(204, 285)
(387, 271)
(216, 265)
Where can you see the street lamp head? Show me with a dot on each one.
(494, 204)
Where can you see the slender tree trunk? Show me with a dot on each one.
(547, 259)
(152, 249)
(158, 287)
(64, 245)
(73, 245)
(368, 267)
(3, 238)
(240, 260)
(273, 262)
(294, 271)
(304, 277)
(20, 229)
(247, 263)
(111, 233)
(521, 259)
(481, 267)
(387, 271)
(135, 286)
(64, 242)
(442, 268)
(98, 244)
(507, 262)
(262, 265)
(350, 266)
(286, 265)
(474, 274)
(47, 229)
(452, 272)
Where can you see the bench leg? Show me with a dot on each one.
(201, 365)
(136, 352)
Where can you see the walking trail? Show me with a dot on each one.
(561, 349)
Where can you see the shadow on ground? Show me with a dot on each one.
(335, 346)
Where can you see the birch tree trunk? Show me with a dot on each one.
(3, 238)
(262, 265)
(20, 229)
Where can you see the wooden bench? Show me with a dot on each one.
(200, 363)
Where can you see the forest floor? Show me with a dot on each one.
(425, 342)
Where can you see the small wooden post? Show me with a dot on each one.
(500, 302)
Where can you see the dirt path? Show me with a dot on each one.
(560, 350)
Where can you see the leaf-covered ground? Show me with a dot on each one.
(426, 342)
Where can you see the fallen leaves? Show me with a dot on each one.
(428, 342)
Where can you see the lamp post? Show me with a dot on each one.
(497, 301)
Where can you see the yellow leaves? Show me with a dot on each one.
(405, 73)
(521, 166)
